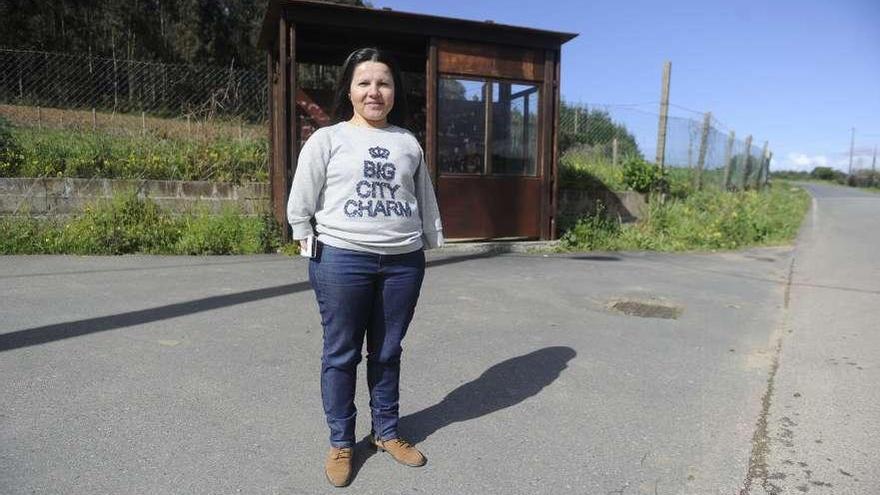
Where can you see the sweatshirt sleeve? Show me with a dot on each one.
(432, 229)
(308, 183)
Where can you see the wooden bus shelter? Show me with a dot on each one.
(483, 99)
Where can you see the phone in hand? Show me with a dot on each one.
(308, 247)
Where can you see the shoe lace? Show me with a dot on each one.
(404, 444)
(342, 454)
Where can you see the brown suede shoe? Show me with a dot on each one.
(338, 466)
(401, 450)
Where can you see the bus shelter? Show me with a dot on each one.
(483, 100)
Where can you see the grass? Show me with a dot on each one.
(129, 224)
(706, 221)
(70, 153)
(163, 154)
(131, 125)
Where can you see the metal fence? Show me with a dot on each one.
(715, 155)
(59, 80)
(137, 96)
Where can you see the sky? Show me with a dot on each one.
(799, 74)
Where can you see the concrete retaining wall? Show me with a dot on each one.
(66, 196)
(628, 206)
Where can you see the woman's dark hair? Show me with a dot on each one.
(342, 109)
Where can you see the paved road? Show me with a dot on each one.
(823, 426)
(143, 374)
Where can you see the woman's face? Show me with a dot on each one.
(371, 93)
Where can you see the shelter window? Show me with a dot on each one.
(470, 109)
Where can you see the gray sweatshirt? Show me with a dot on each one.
(368, 190)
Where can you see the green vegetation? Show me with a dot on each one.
(586, 171)
(679, 217)
(29, 152)
(706, 220)
(129, 224)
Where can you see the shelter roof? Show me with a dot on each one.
(352, 17)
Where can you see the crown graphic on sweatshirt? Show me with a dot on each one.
(379, 152)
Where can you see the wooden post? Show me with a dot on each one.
(431, 101)
(704, 146)
(767, 171)
(747, 163)
(614, 151)
(143, 124)
(664, 114)
(188, 127)
(239, 131)
(39, 117)
(577, 118)
(728, 160)
(94, 119)
(759, 178)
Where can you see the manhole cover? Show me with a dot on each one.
(647, 308)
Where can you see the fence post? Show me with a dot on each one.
(747, 163)
(614, 151)
(143, 123)
(664, 114)
(577, 118)
(188, 128)
(94, 119)
(704, 145)
(767, 172)
(39, 117)
(239, 131)
(728, 160)
(759, 178)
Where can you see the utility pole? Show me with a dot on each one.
(874, 168)
(852, 144)
(664, 114)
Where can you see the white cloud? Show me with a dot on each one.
(802, 161)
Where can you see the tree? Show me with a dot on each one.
(595, 129)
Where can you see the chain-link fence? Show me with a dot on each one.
(861, 162)
(702, 148)
(192, 95)
(57, 89)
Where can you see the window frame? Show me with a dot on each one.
(489, 83)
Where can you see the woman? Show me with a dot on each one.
(365, 183)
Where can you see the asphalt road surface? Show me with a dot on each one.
(823, 427)
(191, 375)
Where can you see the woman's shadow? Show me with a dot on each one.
(503, 385)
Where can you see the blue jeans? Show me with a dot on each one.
(363, 294)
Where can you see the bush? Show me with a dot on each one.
(582, 171)
(828, 173)
(642, 176)
(227, 233)
(10, 157)
(129, 224)
(62, 153)
(596, 231)
(123, 225)
(706, 220)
